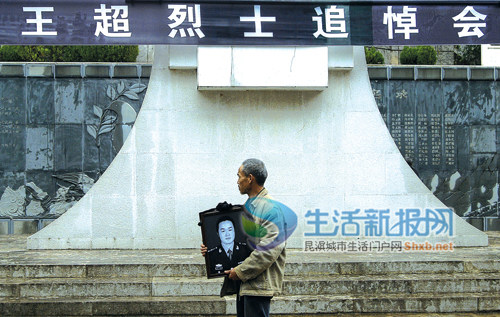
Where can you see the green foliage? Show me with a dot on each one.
(373, 56)
(408, 55)
(418, 55)
(426, 55)
(467, 55)
(11, 53)
(105, 53)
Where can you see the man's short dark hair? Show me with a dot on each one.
(256, 168)
(221, 219)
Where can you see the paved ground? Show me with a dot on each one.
(13, 251)
(491, 314)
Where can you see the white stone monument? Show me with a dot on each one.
(308, 113)
(490, 55)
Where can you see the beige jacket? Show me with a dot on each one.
(262, 272)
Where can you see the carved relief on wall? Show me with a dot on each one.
(13, 202)
(31, 201)
(52, 171)
(118, 117)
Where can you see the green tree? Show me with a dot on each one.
(11, 53)
(467, 55)
(418, 55)
(104, 53)
(373, 56)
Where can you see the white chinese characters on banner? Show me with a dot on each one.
(258, 19)
(406, 22)
(180, 13)
(469, 22)
(113, 22)
(335, 25)
(39, 21)
(306, 24)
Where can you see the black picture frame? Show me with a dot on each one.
(217, 260)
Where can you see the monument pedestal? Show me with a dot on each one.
(324, 149)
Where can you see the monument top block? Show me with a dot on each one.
(226, 23)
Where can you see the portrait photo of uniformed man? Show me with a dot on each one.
(230, 250)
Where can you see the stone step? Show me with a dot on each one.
(393, 284)
(102, 270)
(108, 287)
(468, 314)
(114, 306)
(293, 285)
(379, 302)
(299, 267)
(286, 305)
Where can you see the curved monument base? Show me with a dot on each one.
(328, 150)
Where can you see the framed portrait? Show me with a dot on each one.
(223, 235)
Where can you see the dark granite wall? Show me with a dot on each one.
(46, 137)
(56, 131)
(449, 131)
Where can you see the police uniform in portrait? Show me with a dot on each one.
(221, 261)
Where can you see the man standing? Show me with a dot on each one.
(261, 273)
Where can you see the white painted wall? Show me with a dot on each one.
(490, 55)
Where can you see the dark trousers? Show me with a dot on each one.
(253, 306)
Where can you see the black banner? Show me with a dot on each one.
(205, 22)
